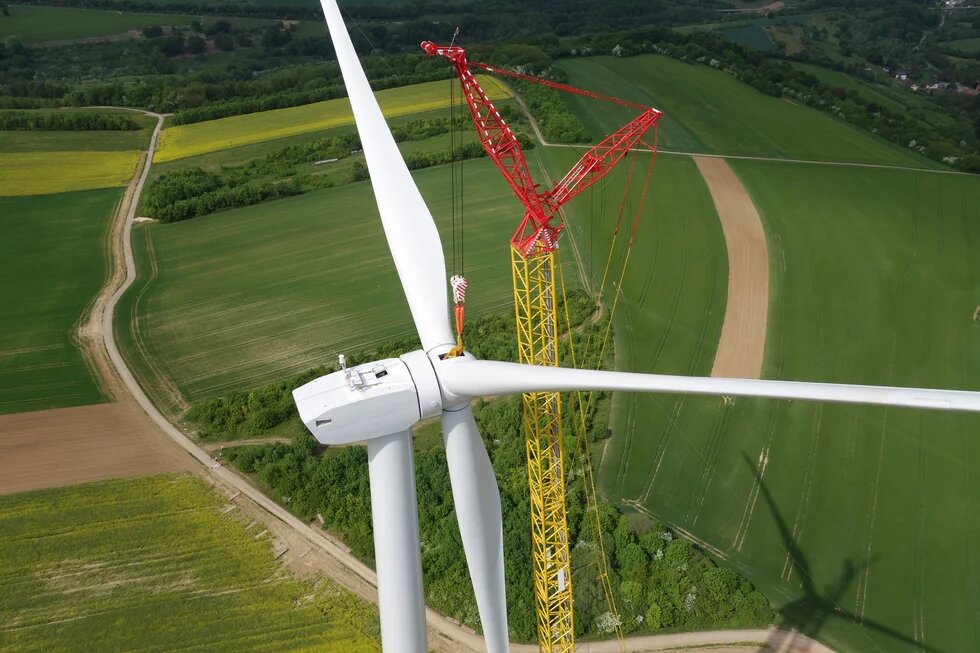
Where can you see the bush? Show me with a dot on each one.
(224, 42)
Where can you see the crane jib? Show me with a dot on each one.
(542, 223)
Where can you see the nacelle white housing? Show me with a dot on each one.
(370, 400)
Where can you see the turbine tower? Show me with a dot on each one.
(379, 402)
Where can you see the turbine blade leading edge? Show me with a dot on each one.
(472, 378)
(477, 501)
(411, 233)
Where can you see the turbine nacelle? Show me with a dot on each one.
(370, 401)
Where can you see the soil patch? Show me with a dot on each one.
(743, 334)
(64, 446)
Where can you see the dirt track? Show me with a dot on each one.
(743, 334)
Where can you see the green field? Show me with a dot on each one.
(51, 256)
(971, 46)
(878, 502)
(38, 24)
(82, 140)
(707, 110)
(43, 173)
(155, 564)
(862, 514)
(247, 296)
(215, 135)
(863, 89)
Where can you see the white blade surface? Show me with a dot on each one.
(477, 501)
(397, 552)
(412, 235)
(472, 378)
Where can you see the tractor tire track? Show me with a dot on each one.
(863, 580)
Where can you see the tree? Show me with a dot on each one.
(218, 27)
(152, 32)
(224, 42)
(171, 45)
(196, 44)
(358, 172)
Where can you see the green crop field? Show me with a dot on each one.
(42, 173)
(864, 89)
(90, 141)
(38, 24)
(971, 46)
(52, 258)
(707, 110)
(214, 135)
(154, 564)
(874, 283)
(251, 295)
(81, 141)
(861, 529)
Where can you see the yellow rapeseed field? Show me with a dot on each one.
(43, 173)
(200, 138)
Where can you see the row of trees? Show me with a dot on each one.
(65, 121)
(226, 198)
(191, 192)
(660, 581)
(293, 87)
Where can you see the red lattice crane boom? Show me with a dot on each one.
(542, 222)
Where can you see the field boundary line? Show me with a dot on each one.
(772, 159)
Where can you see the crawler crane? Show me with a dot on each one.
(535, 265)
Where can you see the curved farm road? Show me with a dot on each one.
(743, 333)
(305, 548)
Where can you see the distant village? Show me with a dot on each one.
(932, 88)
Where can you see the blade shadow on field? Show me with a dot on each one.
(816, 608)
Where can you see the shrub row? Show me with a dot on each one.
(226, 198)
(65, 121)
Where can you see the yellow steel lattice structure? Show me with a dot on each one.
(535, 304)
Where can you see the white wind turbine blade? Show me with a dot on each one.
(411, 233)
(417, 252)
(397, 553)
(477, 501)
(472, 378)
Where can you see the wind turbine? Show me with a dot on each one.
(379, 402)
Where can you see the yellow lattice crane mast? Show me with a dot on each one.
(536, 272)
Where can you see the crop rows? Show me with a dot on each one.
(43, 173)
(250, 296)
(52, 247)
(152, 564)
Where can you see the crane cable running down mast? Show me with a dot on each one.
(537, 282)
